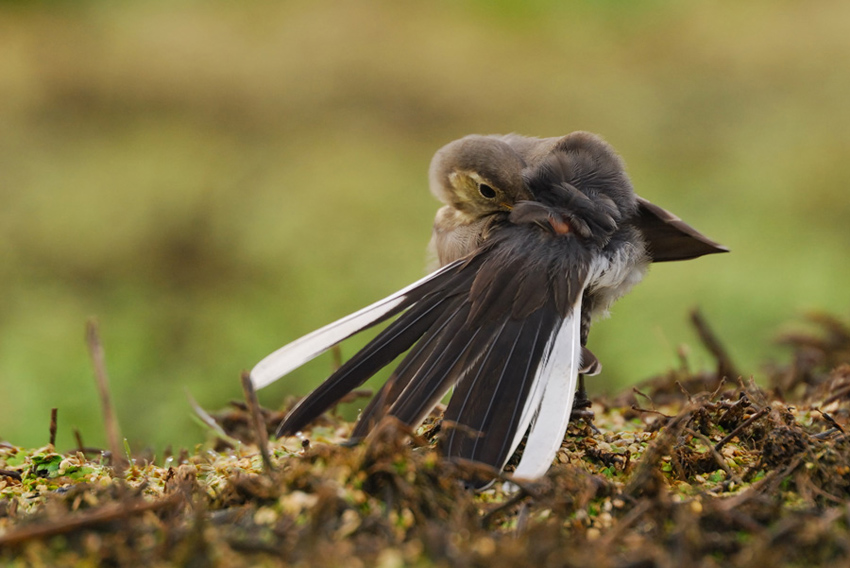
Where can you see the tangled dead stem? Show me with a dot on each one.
(689, 469)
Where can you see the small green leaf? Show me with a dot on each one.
(46, 465)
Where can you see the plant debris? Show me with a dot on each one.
(687, 469)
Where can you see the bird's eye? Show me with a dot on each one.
(486, 191)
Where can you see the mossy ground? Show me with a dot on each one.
(688, 469)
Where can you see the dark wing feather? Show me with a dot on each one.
(528, 298)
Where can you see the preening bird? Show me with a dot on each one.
(536, 238)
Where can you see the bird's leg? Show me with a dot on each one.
(581, 402)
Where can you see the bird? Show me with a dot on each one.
(537, 237)
(478, 176)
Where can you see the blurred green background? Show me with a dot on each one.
(214, 179)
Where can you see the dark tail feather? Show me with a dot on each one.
(484, 413)
(429, 382)
(406, 371)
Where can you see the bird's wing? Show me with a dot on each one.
(300, 351)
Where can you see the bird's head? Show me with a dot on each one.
(478, 175)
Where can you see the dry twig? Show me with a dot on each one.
(259, 424)
(725, 366)
(745, 424)
(110, 422)
(53, 423)
(74, 521)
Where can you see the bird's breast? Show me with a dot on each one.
(614, 272)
